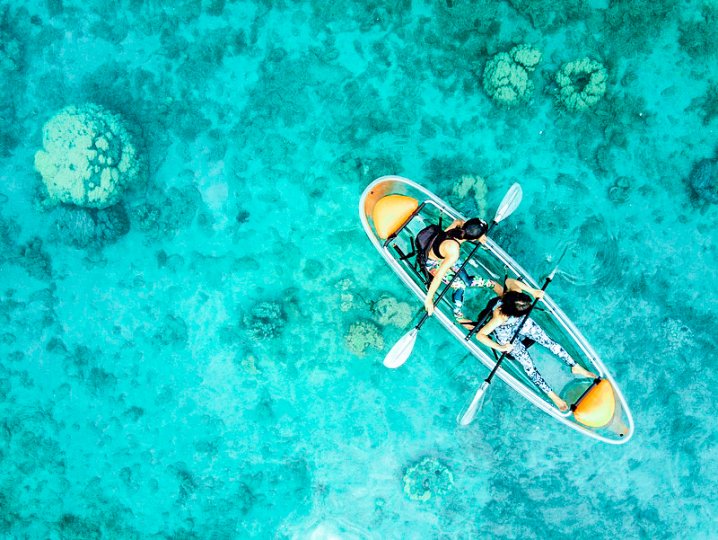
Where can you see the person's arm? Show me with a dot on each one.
(451, 257)
(498, 289)
(454, 224)
(520, 286)
(483, 335)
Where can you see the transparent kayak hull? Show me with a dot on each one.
(493, 262)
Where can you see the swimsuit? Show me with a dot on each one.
(533, 331)
(460, 284)
(432, 246)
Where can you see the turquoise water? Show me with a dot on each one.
(192, 378)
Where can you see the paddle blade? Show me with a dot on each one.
(509, 203)
(475, 405)
(401, 350)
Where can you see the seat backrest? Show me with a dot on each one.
(425, 238)
(423, 241)
(485, 314)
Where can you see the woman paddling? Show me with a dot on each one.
(512, 305)
(440, 257)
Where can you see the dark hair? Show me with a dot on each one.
(470, 230)
(515, 304)
(474, 228)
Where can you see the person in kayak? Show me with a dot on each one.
(506, 316)
(441, 254)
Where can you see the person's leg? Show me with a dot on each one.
(431, 267)
(472, 281)
(457, 285)
(463, 281)
(522, 356)
(532, 330)
(536, 333)
(463, 275)
(458, 298)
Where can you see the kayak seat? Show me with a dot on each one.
(597, 405)
(391, 214)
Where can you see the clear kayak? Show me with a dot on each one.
(393, 210)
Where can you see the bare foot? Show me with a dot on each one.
(466, 323)
(561, 404)
(580, 370)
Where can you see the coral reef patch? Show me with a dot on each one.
(703, 180)
(389, 311)
(427, 478)
(506, 75)
(88, 157)
(471, 190)
(90, 227)
(581, 84)
(363, 335)
(265, 320)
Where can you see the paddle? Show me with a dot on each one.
(477, 402)
(401, 350)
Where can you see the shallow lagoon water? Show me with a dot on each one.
(192, 379)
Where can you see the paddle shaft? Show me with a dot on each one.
(456, 275)
(516, 333)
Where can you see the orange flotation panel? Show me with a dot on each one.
(596, 408)
(391, 212)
